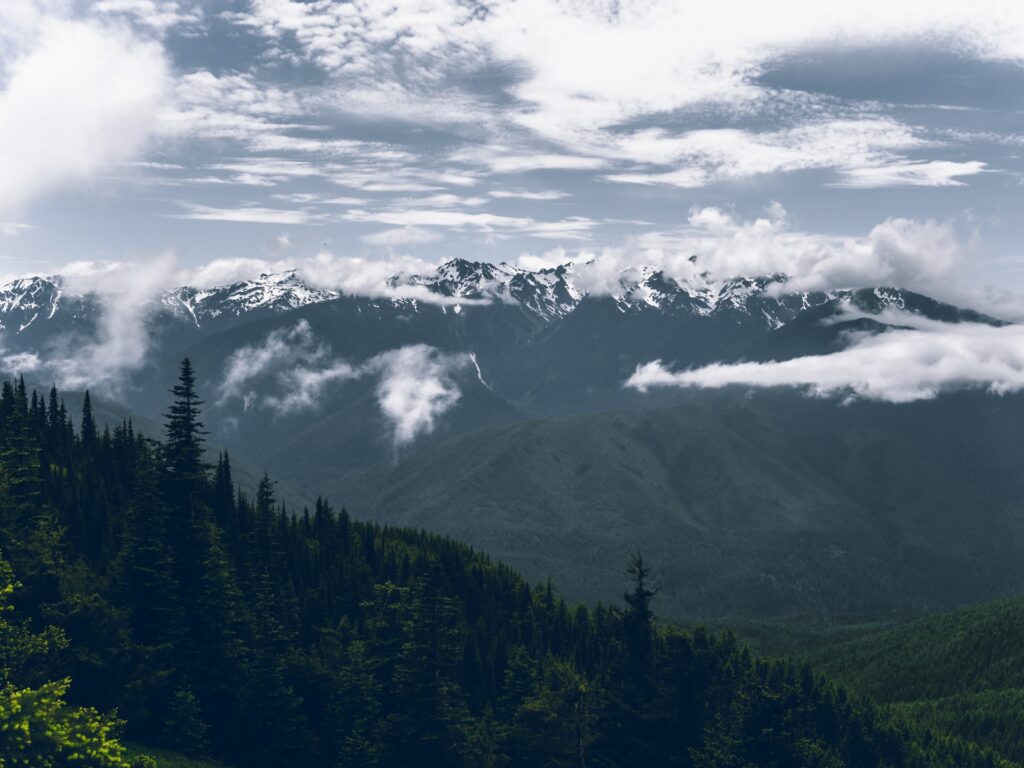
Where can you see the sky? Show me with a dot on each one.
(871, 142)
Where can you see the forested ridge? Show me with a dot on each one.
(215, 624)
(961, 671)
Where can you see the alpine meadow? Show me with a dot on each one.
(511, 384)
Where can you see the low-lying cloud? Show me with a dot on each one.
(289, 371)
(915, 362)
(122, 341)
(417, 386)
(936, 258)
(353, 275)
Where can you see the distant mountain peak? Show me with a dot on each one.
(548, 294)
(275, 291)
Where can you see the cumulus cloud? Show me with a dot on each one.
(915, 362)
(716, 245)
(416, 384)
(77, 99)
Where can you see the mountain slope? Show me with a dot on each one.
(765, 506)
(960, 672)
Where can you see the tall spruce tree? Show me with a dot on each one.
(184, 436)
(90, 435)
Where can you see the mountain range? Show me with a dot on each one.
(486, 401)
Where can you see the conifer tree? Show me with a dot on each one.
(88, 428)
(184, 436)
(38, 727)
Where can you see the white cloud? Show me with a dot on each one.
(126, 291)
(416, 388)
(303, 386)
(353, 275)
(920, 255)
(13, 228)
(573, 228)
(500, 159)
(585, 66)
(77, 100)
(935, 173)
(526, 194)
(897, 366)
(282, 348)
(158, 14)
(252, 214)
(401, 236)
(20, 362)
(866, 152)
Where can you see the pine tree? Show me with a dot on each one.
(39, 728)
(427, 726)
(184, 436)
(89, 432)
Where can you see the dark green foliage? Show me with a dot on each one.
(222, 627)
(37, 727)
(960, 672)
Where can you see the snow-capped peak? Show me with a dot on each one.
(24, 301)
(547, 293)
(277, 291)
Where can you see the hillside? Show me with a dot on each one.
(487, 402)
(218, 625)
(961, 672)
(766, 505)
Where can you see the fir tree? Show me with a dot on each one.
(88, 428)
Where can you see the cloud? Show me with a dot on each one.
(282, 348)
(20, 362)
(161, 15)
(13, 228)
(936, 173)
(572, 228)
(353, 275)
(897, 366)
(293, 360)
(401, 236)
(499, 159)
(417, 387)
(586, 66)
(866, 152)
(278, 244)
(920, 255)
(126, 291)
(77, 100)
(416, 384)
(250, 214)
(526, 194)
